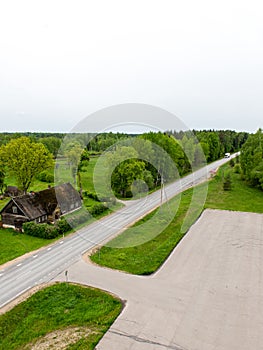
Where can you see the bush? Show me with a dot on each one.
(237, 169)
(98, 209)
(45, 176)
(45, 231)
(227, 184)
(92, 195)
(232, 162)
(63, 226)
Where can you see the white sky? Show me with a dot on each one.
(63, 60)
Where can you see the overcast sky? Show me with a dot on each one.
(61, 61)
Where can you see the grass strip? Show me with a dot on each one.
(59, 307)
(146, 258)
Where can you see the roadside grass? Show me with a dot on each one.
(57, 308)
(14, 244)
(241, 197)
(146, 258)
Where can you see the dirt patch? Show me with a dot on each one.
(60, 339)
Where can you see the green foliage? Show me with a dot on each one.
(227, 183)
(98, 209)
(148, 257)
(251, 159)
(25, 159)
(59, 307)
(52, 143)
(45, 176)
(2, 181)
(237, 168)
(62, 226)
(124, 169)
(232, 162)
(45, 231)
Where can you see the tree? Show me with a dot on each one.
(25, 159)
(124, 168)
(2, 181)
(227, 183)
(251, 159)
(52, 144)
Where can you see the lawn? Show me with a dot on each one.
(14, 244)
(77, 314)
(63, 175)
(143, 259)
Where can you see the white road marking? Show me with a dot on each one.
(19, 264)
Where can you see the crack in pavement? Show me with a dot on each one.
(143, 340)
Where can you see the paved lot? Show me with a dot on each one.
(207, 296)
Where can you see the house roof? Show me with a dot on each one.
(37, 204)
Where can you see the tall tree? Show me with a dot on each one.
(25, 159)
(251, 159)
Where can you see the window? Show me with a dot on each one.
(14, 208)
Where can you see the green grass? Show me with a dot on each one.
(242, 196)
(59, 307)
(13, 244)
(122, 252)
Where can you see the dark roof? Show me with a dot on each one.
(37, 204)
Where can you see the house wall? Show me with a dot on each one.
(11, 219)
(11, 207)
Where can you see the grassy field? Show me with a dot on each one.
(64, 174)
(78, 315)
(13, 244)
(146, 258)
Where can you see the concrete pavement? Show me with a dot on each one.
(207, 295)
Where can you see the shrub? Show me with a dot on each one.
(63, 226)
(227, 183)
(232, 162)
(40, 230)
(98, 209)
(45, 176)
(237, 169)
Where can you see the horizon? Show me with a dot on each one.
(201, 61)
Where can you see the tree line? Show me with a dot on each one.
(251, 159)
(136, 162)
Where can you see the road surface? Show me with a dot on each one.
(206, 296)
(22, 275)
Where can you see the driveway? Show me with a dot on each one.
(207, 295)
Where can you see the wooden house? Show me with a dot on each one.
(42, 207)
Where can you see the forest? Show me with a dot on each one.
(251, 160)
(135, 163)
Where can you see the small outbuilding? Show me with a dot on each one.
(42, 207)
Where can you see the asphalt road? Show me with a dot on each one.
(206, 296)
(22, 275)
